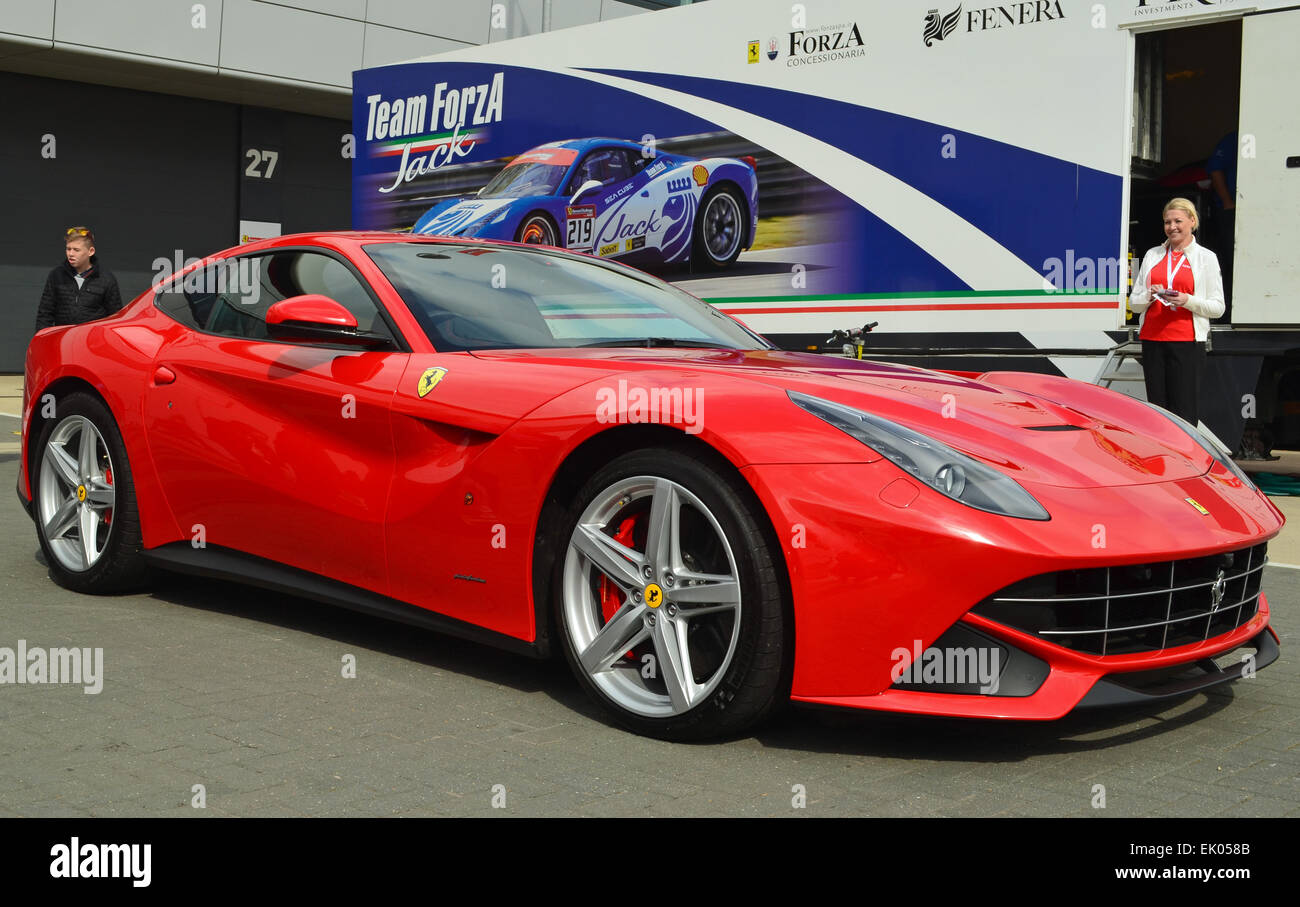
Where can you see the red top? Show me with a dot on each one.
(1162, 322)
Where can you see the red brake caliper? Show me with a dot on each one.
(611, 596)
(108, 514)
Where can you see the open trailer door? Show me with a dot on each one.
(1267, 282)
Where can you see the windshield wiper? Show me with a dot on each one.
(657, 341)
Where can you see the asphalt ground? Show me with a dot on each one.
(221, 700)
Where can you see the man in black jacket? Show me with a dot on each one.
(79, 289)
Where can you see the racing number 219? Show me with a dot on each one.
(579, 233)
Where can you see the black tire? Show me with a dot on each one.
(104, 489)
(731, 671)
(720, 227)
(538, 221)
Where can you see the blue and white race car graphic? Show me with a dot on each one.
(606, 197)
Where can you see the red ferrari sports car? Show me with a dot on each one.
(554, 453)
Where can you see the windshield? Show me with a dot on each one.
(476, 297)
(521, 180)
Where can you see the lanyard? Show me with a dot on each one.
(1178, 267)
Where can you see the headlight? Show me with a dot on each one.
(1210, 445)
(934, 463)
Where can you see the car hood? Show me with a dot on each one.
(455, 216)
(1084, 437)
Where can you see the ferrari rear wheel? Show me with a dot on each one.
(86, 518)
(669, 605)
(538, 229)
(719, 227)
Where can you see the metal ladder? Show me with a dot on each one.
(1115, 359)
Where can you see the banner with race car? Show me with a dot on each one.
(646, 184)
(795, 166)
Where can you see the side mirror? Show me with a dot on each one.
(585, 187)
(312, 318)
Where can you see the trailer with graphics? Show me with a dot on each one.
(975, 178)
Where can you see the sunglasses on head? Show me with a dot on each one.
(78, 231)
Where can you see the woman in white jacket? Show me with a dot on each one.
(1178, 289)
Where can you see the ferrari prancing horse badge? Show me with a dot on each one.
(429, 380)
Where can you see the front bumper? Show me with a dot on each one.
(1141, 687)
(1072, 683)
(878, 569)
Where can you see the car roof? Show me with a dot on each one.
(587, 144)
(353, 240)
(339, 238)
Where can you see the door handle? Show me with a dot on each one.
(163, 375)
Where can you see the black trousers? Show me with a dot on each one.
(1173, 370)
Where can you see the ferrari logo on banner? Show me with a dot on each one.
(429, 380)
(753, 51)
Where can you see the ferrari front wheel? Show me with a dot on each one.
(86, 518)
(670, 607)
(537, 229)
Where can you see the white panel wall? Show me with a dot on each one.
(569, 13)
(461, 20)
(522, 17)
(393, 45)
(612, 9)
(290, 43)
(348, 9)
(151, 28)
(31, 18)
(314, 43)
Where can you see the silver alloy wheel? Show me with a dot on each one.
(76, 493)
(722, 226)
(691, 631)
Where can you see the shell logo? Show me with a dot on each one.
(700, 174)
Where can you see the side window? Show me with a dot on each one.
(231, 297)
(206, 296)
(285, 274)
(605, 165)
(171, 299)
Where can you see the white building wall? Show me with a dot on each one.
(291, 54)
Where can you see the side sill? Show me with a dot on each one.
(226, 563)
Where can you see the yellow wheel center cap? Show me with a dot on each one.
(81, 492)
(654, 596)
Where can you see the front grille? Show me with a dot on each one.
(1136, 608)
